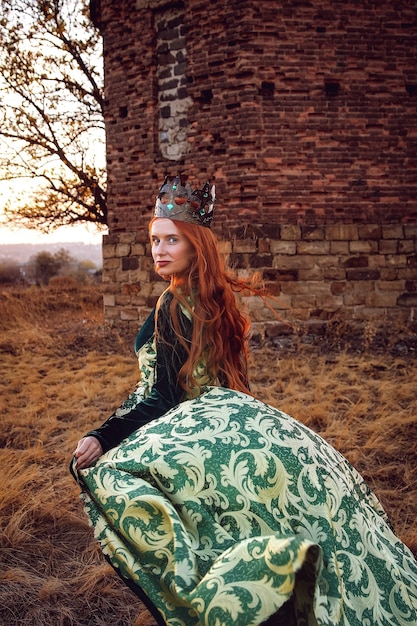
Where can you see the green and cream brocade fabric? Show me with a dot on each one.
(225, 508)
(146, 356)
(147, 362)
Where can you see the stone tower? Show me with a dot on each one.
(304, 114)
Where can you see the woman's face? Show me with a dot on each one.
(171, 250)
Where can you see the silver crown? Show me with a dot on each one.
(179, 202)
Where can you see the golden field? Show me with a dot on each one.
(63, 371)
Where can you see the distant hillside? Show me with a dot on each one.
(22, 252)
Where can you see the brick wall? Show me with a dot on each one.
(357, 272)
(305, 117)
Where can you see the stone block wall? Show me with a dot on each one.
(305, 117)
(357, 272)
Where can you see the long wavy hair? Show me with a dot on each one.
(220, 330)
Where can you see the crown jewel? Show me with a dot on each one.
(179, 202)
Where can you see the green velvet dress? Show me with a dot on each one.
(225, 511)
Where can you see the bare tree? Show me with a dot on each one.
(51, 112)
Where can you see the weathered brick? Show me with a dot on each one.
(225, 247)
(129, 314)
(354, 298)
(139, 301)
(392, 231)
(334, 273)
(260, 260)
(313, 247)
(313, 273)
(407, 299)
(406, 246)
(109, 299)
(146, 264)
(244, 245)
(364, 313)
(410, 231)
(339, 248)
(122, 299)
(111, 263)
(287, 168)
(312, 233)
(127, 238)
(273, 288)
(397, 260)
(387, 299)
(122, 250)
(283, 247)
(389, 273)
(329, 301)
(388, 246)
(356, 261)
(263, 246)
(344, 232)
(268, 229)
(338, 288)
(131, 289)
(290, 232)
(391, 285)
(138, 249)
(369, 231)
(406, 273)
(280, 275)
(296, 262)
(239, 261)
(109, 251)
(377, 260)
(306, 287)
(112, 315)
(363, 247)
(305, 302)
(276, 329)
(362, 274)
(411, 285)
(130, 263)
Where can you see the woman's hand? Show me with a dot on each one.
(87, 452)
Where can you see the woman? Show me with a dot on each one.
(215, 508)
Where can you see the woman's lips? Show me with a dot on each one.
(162, 263)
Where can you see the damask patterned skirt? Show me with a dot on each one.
(227, 511)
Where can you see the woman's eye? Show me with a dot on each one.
(173, 239)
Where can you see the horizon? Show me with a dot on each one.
(87, 234)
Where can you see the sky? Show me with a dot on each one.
(86, 233)
(12, 191)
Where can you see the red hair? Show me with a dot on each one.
(219, 328)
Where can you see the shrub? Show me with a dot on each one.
(10, 273)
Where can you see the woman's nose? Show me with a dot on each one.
(159, 248)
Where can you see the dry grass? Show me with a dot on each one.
(62, 371)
